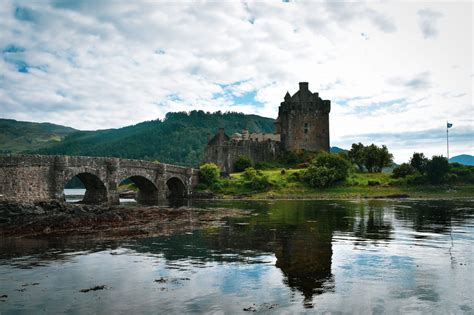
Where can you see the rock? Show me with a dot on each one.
(97, 287)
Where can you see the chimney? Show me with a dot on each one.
(245, 134)
(221, 134)
(304, 86)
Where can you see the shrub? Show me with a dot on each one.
(319, 176)
(418, 161)
(290, 158)
(255, 179)
(403, 170)
(436, 169)
(259, 182)
(339, 165)
(464, 173)
(296, 176)
(283, 171)
(242, 163)
(249, 173)
(373, 183)
(209, 173)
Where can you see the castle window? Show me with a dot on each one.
(306, 128)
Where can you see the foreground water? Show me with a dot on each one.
(285, 257)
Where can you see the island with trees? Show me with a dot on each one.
(365, 171)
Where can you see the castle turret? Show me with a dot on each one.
(304, 121)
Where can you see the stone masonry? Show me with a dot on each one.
(30, 178)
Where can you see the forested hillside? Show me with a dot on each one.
(179, 138)
(18, 136)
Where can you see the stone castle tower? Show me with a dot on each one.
(302, 124)
(303, 121)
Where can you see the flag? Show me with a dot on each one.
(448, 125)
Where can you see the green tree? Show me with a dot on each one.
(357, 155)
(242, 163)
(209, 174)
(326, 169)
(384, 159)
(403, 170)
(335, 162)
(319, 176)
(418, 161)
(436, 169)
(371, 158)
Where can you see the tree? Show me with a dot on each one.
(326, 169)
(436, 169)
(384, 159)
(209, 173)
(371, 158)
(403, 170)
(335, 162)
(418, 161)
(357, 155)
(242, 163)
(319, 176)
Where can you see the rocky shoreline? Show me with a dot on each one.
(55, 218)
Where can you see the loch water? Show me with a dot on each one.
(345, 257)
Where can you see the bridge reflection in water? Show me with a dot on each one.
(41, 178)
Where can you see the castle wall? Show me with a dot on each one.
(224, 154)
(305, 130)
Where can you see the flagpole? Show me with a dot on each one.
(447, 139)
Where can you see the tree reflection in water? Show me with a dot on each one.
(300, 235)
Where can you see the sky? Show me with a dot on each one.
(395, 72)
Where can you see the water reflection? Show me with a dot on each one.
(330, 255)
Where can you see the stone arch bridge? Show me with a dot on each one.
(41, 177)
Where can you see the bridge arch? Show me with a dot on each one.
(176, 188)
(96, 192)
(147, 191)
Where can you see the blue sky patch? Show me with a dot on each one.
(247, 98)
(24, 14)
(21, 66)
(12, 48)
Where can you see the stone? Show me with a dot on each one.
(36, 178)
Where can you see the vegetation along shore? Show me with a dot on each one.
(361, 172)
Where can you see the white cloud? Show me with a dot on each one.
(428, 21)
(96, 64)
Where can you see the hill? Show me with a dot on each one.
(18, 136)
(337, 150)
(179, 138)
(465, 159)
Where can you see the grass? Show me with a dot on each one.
(357, 185)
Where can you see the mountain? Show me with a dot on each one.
(179, 138)
(465, 159)
(18, 136)
(337, 150)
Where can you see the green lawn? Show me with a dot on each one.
(357, 185)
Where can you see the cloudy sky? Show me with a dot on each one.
(394, 71)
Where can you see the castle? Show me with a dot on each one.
(302, 125)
